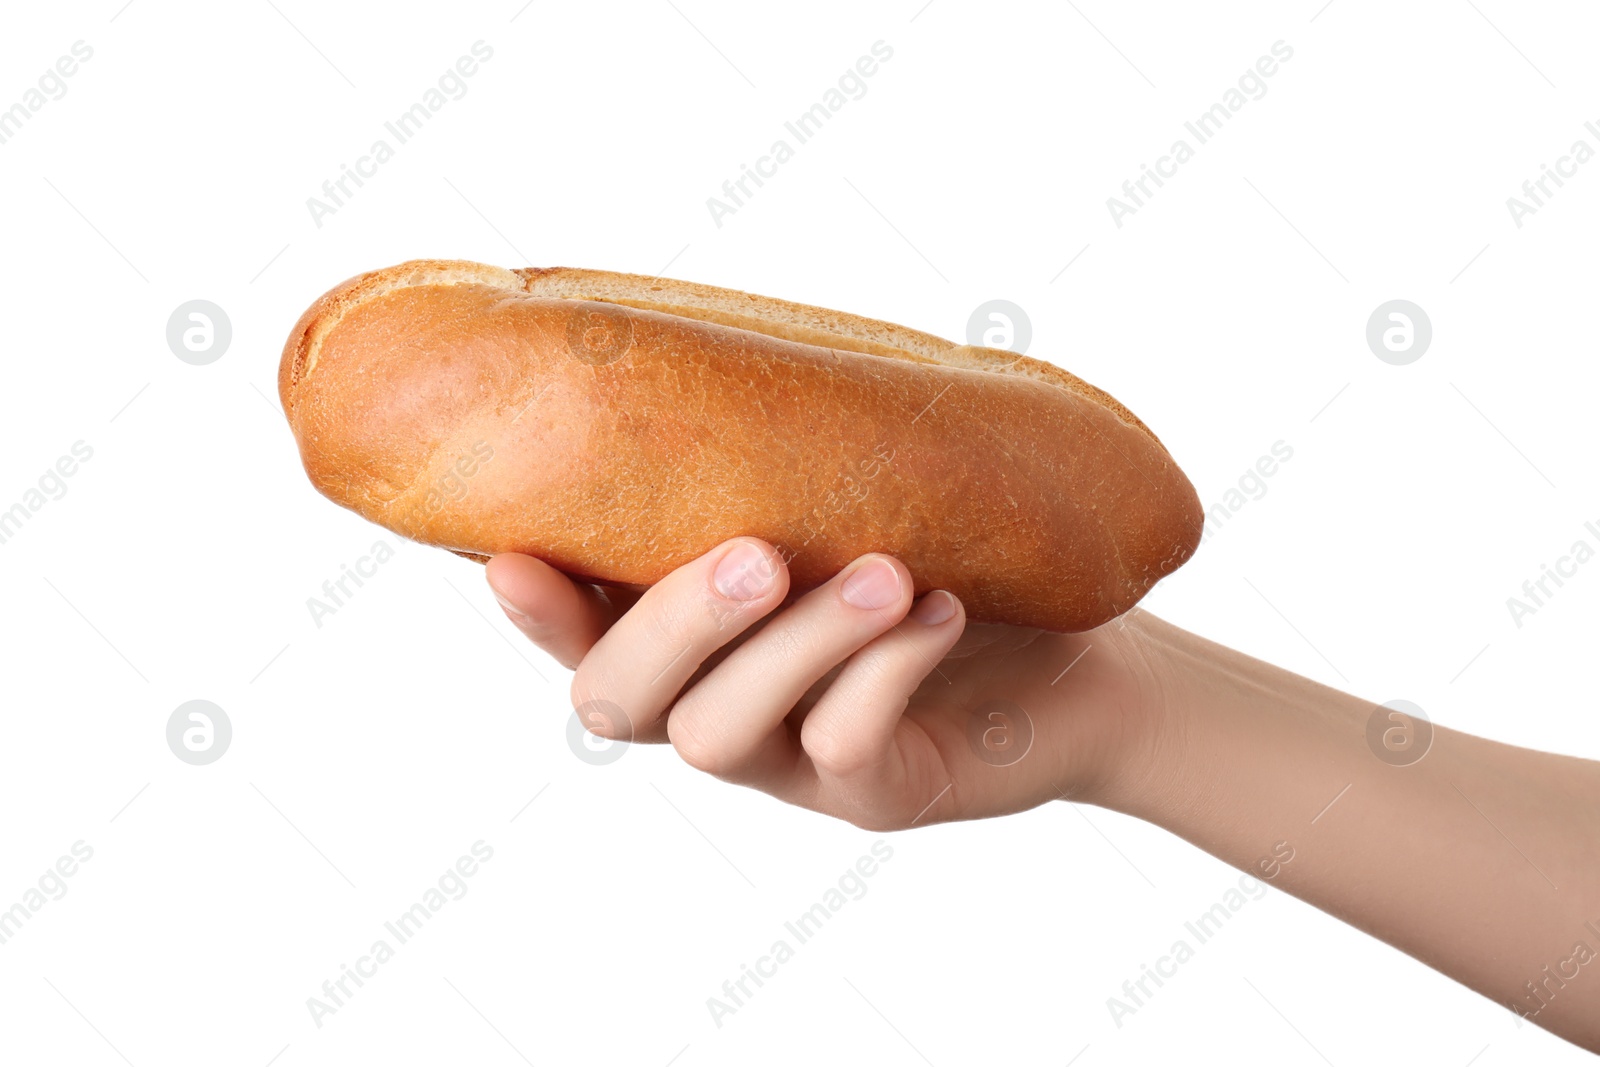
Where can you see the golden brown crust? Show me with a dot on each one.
(299, 354)
(486, 411)
(800, 322)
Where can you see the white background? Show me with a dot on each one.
(368, 754)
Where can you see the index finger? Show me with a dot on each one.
(561, 616)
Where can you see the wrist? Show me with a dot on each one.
(1221, 734)
(1130, 762)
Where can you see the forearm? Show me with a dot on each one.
(1480, 859)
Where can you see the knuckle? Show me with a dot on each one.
(698, 747)
(599, 715)
(875, 822)
(832, 752)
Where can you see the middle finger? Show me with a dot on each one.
(730, 723)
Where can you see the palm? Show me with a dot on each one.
(1003, 724)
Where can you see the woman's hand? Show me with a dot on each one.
(849, 700)
(1478, 858)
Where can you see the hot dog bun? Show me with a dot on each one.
(617, 426)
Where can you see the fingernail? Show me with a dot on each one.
(938, 606)
(509, 609)
(744, 573)
(872, 585)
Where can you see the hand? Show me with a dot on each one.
(850, 700)
(853, 702)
